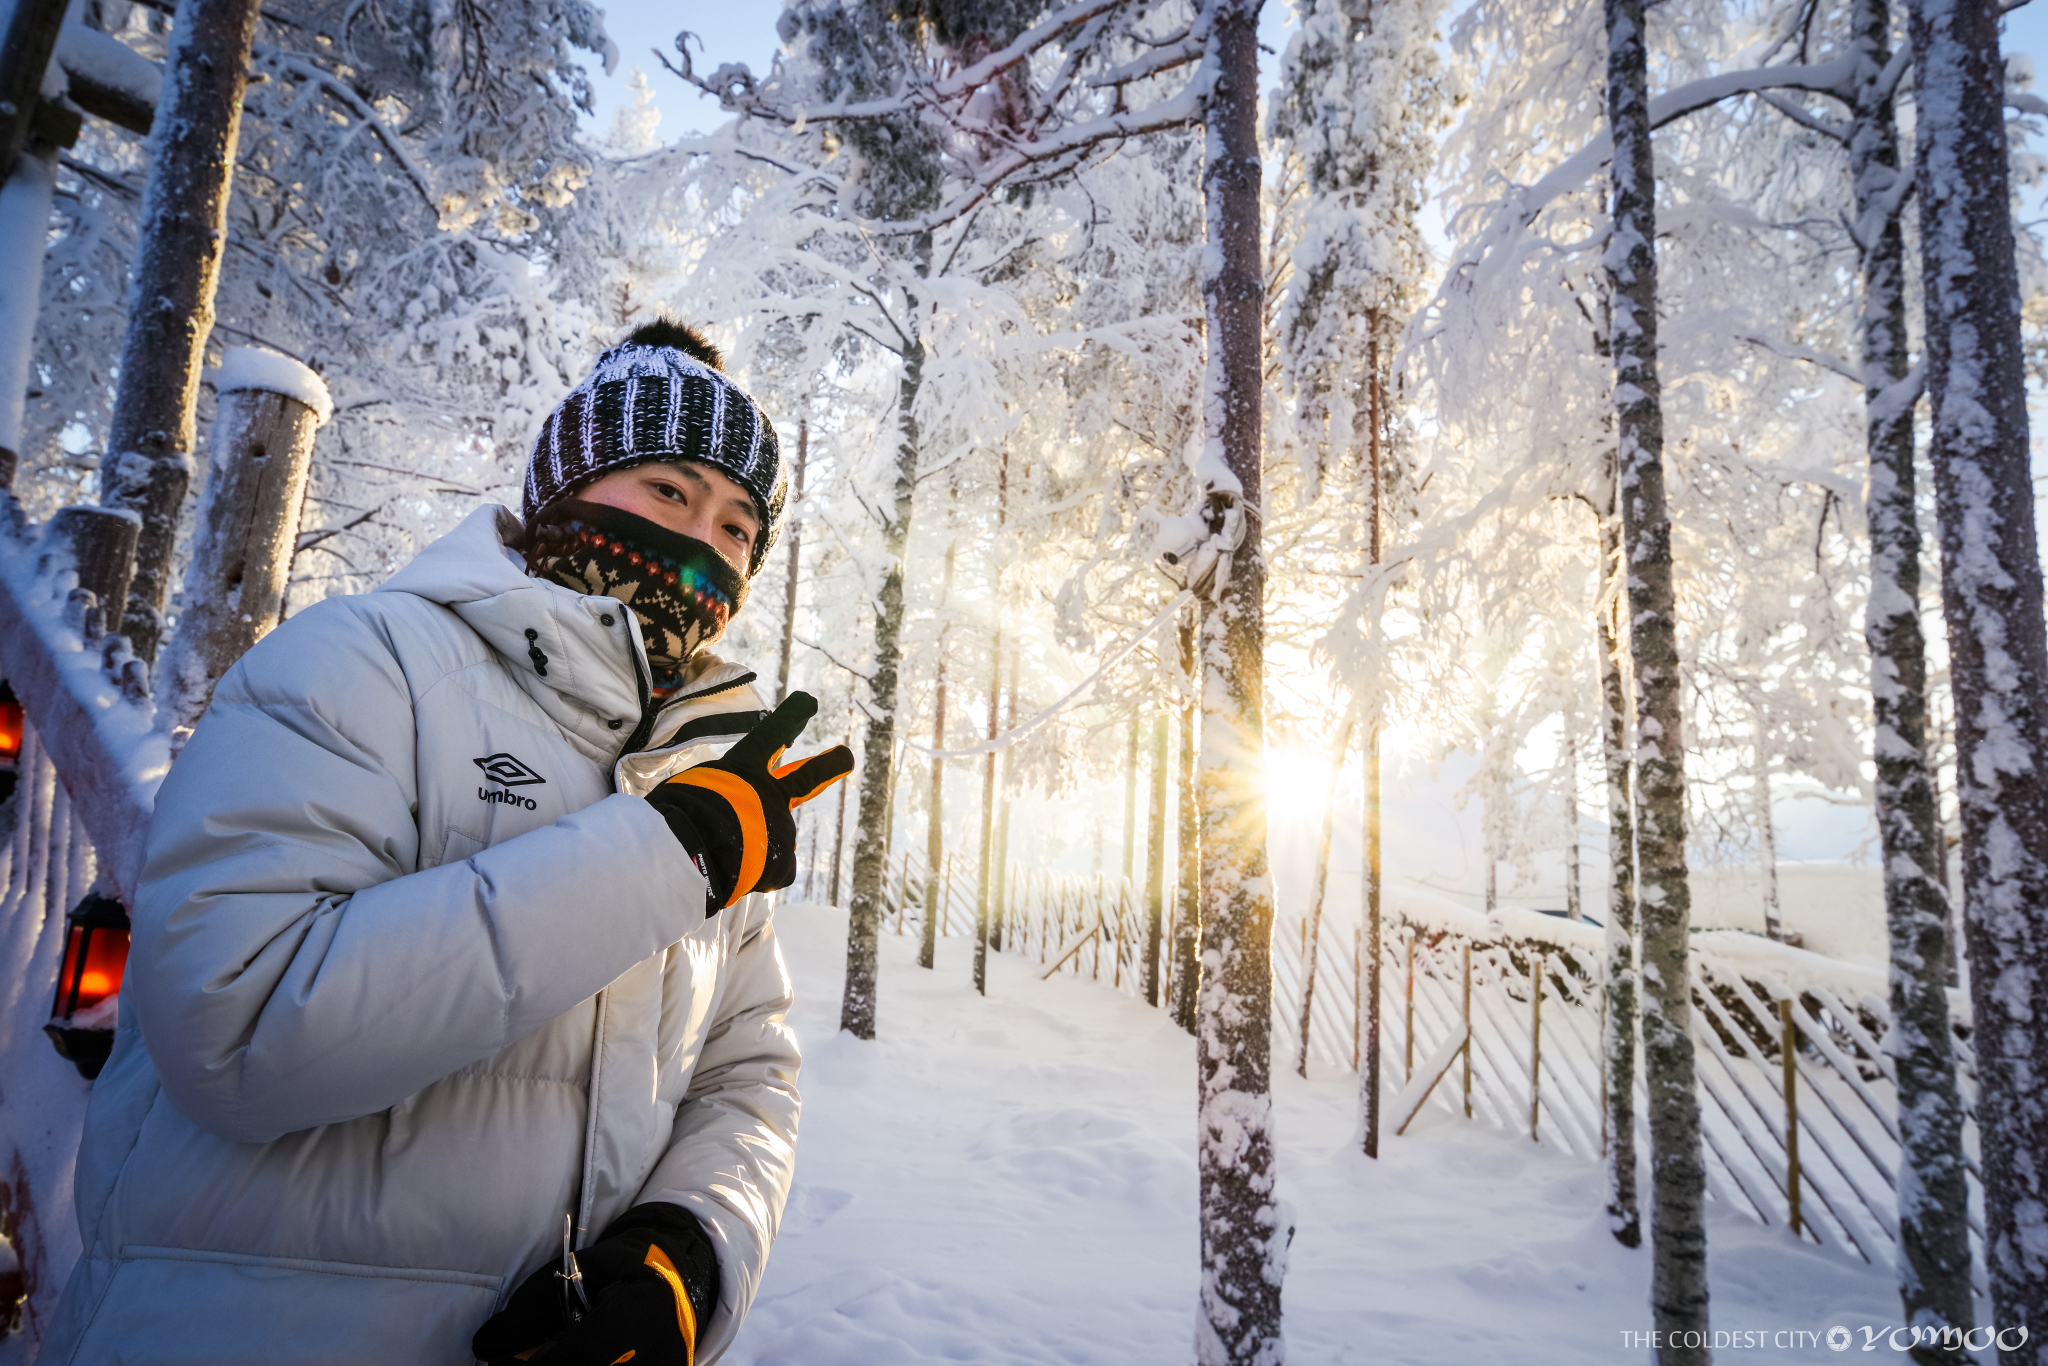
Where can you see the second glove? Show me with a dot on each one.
(732, 814)
(652, 1281)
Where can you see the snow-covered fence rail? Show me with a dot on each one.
(76, 681)
(1517, 999)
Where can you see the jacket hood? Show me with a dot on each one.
(581, 658)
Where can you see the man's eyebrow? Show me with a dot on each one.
(746, 504)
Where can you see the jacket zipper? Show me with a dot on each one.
(648, 710)
(650, 713)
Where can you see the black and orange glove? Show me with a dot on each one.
(652, 1281)
(732, 814)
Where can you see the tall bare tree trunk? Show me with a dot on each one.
(170, 293)
(839, 821)
(1155, 858)
(1678, 1174)
(1572, 900)
(1618, 1015)
(984, 900)
(1933, 1190)
(1187, 916)
(984, 912)
(1002, 879)
(796, 537)
(1244, 1238)
(1992, 603)
(1131, 800)
(935, 888)
(857, 1007)
(1375, 551)
(1766, 827)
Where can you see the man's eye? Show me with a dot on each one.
(669, 491)
(738, 533)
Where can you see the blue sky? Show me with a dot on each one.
(744, 32)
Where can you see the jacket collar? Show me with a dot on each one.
(585, 674)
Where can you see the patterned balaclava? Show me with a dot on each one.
(682, 591)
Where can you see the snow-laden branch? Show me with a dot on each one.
(305, 71)
(737, 93)
(1794, 351)
(1016, 733)
(1831, 129)
(1524, 204)
(867, 675)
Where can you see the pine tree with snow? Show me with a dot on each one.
(1245, 1230)
(1992, 604)
(1678, 1238)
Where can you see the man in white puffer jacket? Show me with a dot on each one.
(445, 941)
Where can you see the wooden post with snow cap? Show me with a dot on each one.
(261, 457)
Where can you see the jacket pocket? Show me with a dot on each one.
(169, 1306)
(459, 846)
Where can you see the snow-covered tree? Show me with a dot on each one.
(1992, 601)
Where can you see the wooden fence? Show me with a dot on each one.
(1500, 1020)
(1797, 1094)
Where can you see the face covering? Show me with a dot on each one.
(681, 589)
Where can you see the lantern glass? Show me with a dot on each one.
(10, 725)
(94, 959)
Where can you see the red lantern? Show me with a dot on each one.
(10, 739)
(10, 724)
(89, 983)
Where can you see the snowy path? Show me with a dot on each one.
(1013, 1181)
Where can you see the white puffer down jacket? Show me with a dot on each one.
(415, 972)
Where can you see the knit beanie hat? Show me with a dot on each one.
(650, 400)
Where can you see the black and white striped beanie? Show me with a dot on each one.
(644, 403)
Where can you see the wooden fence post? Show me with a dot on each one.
(1408, 1019)
(261, 456)
(1467, 1049)
(1095, 958)
(1535, 1047)
(1357, 992)
(1117, 975)
(902, 892)
(1789, 1047)
(102, 545)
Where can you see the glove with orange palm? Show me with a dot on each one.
(732, 815)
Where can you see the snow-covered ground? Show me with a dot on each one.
(1013, 1180)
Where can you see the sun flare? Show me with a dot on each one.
(1295, 785)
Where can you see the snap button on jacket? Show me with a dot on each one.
(415, 972)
